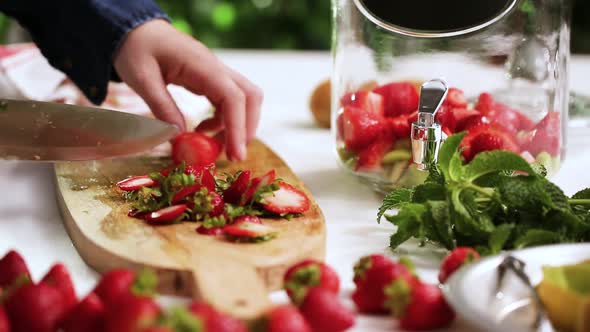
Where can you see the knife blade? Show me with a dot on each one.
(44, 131)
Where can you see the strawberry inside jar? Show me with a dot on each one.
(373, 131)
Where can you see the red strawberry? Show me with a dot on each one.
(130, 314)
(157, 329)
(87, 316)
(455, 99)
(217, 203)
(485, 103)
(286, 318)
(215, 320)
(114, 285)
(35, 308)
(248, 232)
(359, 127)
(506, 119)
(369, 158)
(525, 122)
(247, 218)
(325, 313)
(12, 268)
(4, 322)
(546, 136)
(287, 199)
(186, 192)
(309, 274)
(257, 183)
(454, 260)
(59, 278)
(368, 263)
(486, 138)
(215, 231)
(207, 179)
(238, 187)
(167, 214)
(371, 295)
(399, 98)
(365, 100)
(420, 306)
(399, 127)
(473, 121)
(457, 116)
(136, 182)
(195, 148)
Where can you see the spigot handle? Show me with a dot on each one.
(426, 133)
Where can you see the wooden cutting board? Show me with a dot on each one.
(236, 278)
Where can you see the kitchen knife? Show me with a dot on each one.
(33, 130)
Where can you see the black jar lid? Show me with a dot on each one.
(435, 18)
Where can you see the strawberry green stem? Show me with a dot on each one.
(579, 201)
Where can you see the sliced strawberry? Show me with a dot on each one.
(12, 268)
(186, 192)
(399, 98)
(546, 136)
(485, 103)
(399, 127)
(167, 214)
(359, 127)
(506, 119)
(525, 122)
(456, 117)
(303, 276)
(471, 122)
(257, 183)
(136, 182)
(214, 231)
(236, 190)
(248, 232)
(59, 278)
(217, 203)
(455, 99)
(365, 100)
(287, 199)
(207, 179)
(487, 138)
(87, 316)
(247, 218)
(195, 149)
(369, 159)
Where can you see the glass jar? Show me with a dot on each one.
(506, 62)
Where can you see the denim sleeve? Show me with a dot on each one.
(81, 37)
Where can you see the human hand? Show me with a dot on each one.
(155, 54)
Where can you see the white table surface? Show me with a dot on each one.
(31, 223)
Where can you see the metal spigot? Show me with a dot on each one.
(426, 133)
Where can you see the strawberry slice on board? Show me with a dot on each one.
(213, 231)
(248, 232)
(365, 100)
(359, 128)
(247, 218)
(136, 182)
(238, 188)
(287, 199)
(185, 193)
(257, 183)
(399, 98)
(195, 149)
(167, 214)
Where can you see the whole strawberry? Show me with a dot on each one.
(131, 313)
(12, 267)
(87, 316)
(454, 260)
(114, 285)
(285, 318)
(324, 312)
(59, 278)
(301, 277)
(4, 322)
(373, 275)
(419, 306)
(215, 321)
(35, 308)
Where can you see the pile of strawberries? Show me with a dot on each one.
(229, 205)
(372, 121)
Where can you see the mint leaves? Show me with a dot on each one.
(496, 202)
